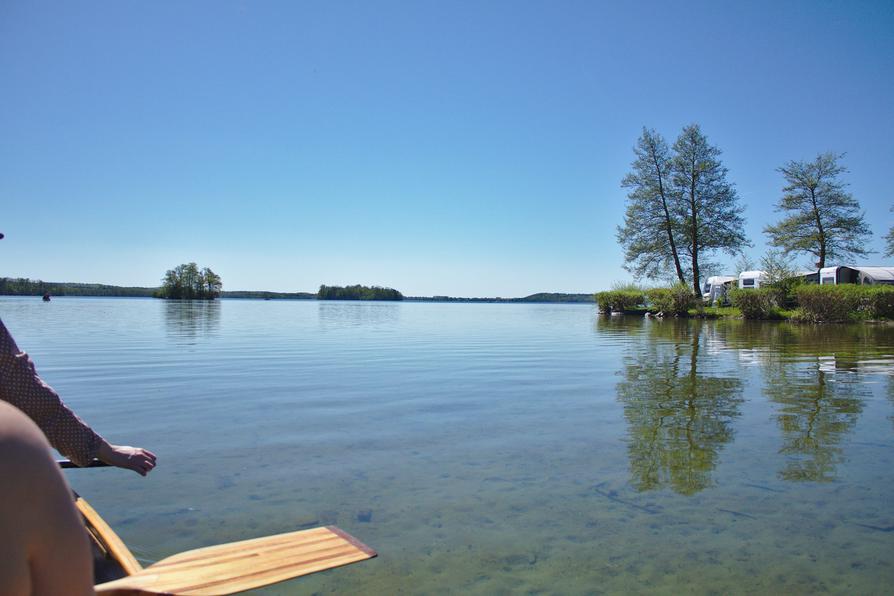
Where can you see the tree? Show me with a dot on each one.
(212, 281)
(706, 206)
(744, 263)
(823, 218)
(187, 282)
(889, 241)
(778, 267)
(647, 235)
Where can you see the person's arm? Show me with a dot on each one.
(21, 386)
(137, 459)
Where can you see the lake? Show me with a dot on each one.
(490, 448)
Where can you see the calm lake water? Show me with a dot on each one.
(490, 448)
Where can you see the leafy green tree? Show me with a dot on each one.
(188, 283)
(647, 235)
(212, 282)
(706, 205)
(823, 219)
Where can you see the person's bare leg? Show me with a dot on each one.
(45, 548)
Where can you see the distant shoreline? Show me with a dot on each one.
(60, 289)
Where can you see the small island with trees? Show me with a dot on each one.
(358, 292)
(187, 282)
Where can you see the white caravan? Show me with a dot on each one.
(856, 275)
(716, 287)
(750, 280)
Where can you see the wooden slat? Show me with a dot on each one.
(108, 538)
(247, 564)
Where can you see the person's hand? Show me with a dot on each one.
(137, 459)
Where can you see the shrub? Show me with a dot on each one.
(619, 300)
(831, 304)
(785, 291)
(675, 300)
(759, 303)
(880, 302)
(846, 302)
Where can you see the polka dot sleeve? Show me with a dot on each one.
(21, 386)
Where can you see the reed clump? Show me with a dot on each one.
(675, 300)
(621, 298)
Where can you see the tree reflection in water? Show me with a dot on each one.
(185, 320)
(678, 417)
(809, 372)
(817, 412)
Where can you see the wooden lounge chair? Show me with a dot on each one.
(223, 569)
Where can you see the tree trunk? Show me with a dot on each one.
(667, 221)
(694, 234)
(821, 234)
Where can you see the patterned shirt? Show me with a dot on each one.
(22, 387)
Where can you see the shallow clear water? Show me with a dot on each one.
(490, 448)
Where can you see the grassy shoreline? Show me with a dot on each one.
(799, 303)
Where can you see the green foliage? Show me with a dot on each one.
(781, 278)
(717, 312)
(358, 292)
(620, 300)
(822, 219)
(829, 304)
(675, 300)
(34, 287)
(840, 303)
(188, 283)
(647, 235)
(706, 204)
(880, 301)
(759, 303)
(680, 208)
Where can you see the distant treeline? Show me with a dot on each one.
(28, 287)
(269, 295)
(34, 287)
(539, 297)
(358, 293)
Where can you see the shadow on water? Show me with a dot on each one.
(679, 418)
(187, 320)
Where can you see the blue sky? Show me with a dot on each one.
(463, 148)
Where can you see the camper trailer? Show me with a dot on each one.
(716, 287)
(856, 275)
(808, 277)
(751, 280)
